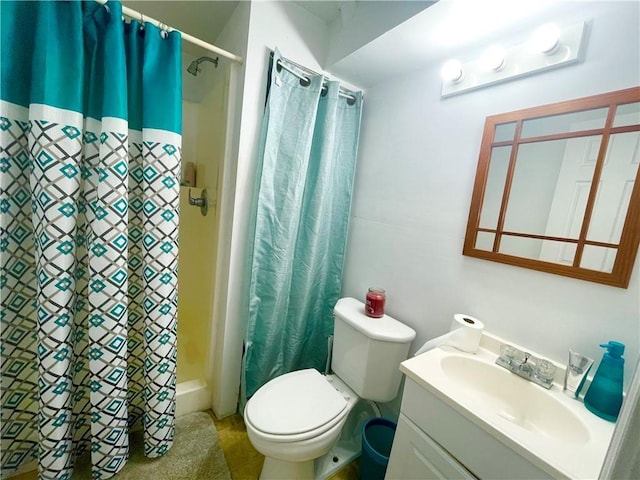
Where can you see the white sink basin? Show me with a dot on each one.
(515, 399)
(552, 431)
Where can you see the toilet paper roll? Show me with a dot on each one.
(464, 334)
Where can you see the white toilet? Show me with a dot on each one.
(298, 417)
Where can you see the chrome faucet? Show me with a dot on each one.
(525, 365)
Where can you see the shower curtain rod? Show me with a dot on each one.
(306, 79)
(129, 12)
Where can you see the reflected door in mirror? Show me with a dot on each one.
(557, 189)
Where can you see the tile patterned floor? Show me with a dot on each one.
(243, 460)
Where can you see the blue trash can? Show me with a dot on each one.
(377, 438)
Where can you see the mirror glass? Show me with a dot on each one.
(557, 188)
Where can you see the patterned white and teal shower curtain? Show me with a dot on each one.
(90, 125)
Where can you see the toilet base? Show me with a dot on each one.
(274, 469)
(339, 456)
(349, 445)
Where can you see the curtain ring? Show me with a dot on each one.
(141, 21)
(106, 7)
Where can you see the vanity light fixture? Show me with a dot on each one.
(550, 46)
(493, 58)
(452, 71)
(546, 39)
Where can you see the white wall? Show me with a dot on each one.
(196, 88)
(302, 37)
(227, 329)
(415, 174)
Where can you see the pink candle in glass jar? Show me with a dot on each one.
(374, 306)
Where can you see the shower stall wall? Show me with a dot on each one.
(204, 125)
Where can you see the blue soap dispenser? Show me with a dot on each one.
(604, 396)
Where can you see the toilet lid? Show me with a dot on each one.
(293, 403)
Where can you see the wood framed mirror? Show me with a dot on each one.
(557, 189)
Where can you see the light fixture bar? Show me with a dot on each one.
(520, 60)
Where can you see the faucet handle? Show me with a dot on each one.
(508, 352)
(545, 370)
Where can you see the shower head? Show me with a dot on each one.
(194, 67)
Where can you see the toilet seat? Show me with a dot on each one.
(295, 406)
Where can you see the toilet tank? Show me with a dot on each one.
(367, 351)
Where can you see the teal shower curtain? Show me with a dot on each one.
(307, 162)
(90, 125)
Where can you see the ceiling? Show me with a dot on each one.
(449, 27)
(202, 19)
(326, 10)
(206, 19)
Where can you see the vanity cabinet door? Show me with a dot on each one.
(415, 455)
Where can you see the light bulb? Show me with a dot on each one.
(452, 71)
(493, 58)
(546, 39)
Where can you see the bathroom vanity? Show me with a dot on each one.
(463, 416)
